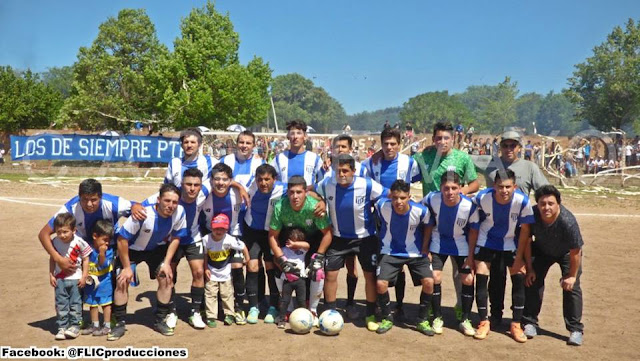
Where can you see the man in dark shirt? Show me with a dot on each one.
(557, 240)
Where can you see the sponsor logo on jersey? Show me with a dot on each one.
(451, 168)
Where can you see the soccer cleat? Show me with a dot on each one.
(195, 320)
(372, 324)
(212, 323)
(72, 332)
(466, 328)
(458, 311)
(60, 335)
(425, 328)
(483, 330)
(272, 313)
(575, 339)
(384, 326)
(252, 318)
(281, 323)
(89, 330)
(316, 321)
(163, 328)
(438, 324)
(241, 319)
(117, 332)
(229, 320)
(530, 330)
(352, 312)
(516, 332)
(171, 320)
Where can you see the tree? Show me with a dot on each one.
(527, 107)
(296, 97)
(204, 81)
(424, 110)
(374, 121)
(493, 107)
(25, 101)
(606, 87)
(60, 79)
(117, 80)
(556, 116)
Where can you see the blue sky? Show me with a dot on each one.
(367, 54)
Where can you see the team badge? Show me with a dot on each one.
(360, 199)
(451, 168)
(309, 222)
(309, 169)
(208, 210)
(80, 224)
(461, 222)
(514, 217)
(330, 198)
(283, 169)
(402, 175)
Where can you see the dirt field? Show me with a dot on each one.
(611, 305)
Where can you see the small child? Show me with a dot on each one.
(220, 248)
(99, 290)
(67, 286)
(293, 272)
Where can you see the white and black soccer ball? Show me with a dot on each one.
(331, 322)
(301, 321)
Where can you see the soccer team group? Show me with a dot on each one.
(244, 225)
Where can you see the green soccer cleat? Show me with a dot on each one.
(425, 328)
(372, 324)
(467, 328)
(384, 326)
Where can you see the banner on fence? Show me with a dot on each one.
(129, 148)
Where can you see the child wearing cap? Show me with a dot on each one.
(220, 248)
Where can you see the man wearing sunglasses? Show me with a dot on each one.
(529, 177)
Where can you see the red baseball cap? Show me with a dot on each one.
(220, 221)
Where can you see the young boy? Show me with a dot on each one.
(293, 276)
(99, 292)
(220, 248)
(67, 286)
(504, 211)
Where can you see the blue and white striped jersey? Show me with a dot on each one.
(307, 164)
(386, 172)
(243, 172)
(350, 207)
(259, 213)
(401, 235)
(451, 224)
(152, 232)
(177, 166)
(500, 224)
(111, 208)
(231, 205)
(361, 171)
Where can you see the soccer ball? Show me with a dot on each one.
(331, 322)
(301, 321)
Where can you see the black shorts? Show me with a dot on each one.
(389, 267)
(489, 255)
(257, 242)
(153, 259)
(438, 260)
(192, 251)
(341, 248)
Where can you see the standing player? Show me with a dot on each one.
(144, 241)
(243, 162)
(385, 168)
(505, 211)
(557, 240)
(190, 141)
(528, 179)
(401, 235)
(297, 160)
(454, 224)
(298, 210)
(350, 199)
(265, 193)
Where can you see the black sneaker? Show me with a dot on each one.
(163, 329)
(116, 332)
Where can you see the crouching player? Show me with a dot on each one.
(403, 245)
(454, 222)
(504, 211)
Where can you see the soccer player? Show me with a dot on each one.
(402, 235)
(144, 241)
(88, 207)
(350, 199)
(265, 192)
(385, 167)
(557, 240)
(529, 177)
(243, 163)
(190, 141)
(298, 210)
(192, 197)
(297, 160)
(454, 222)
(504, 230)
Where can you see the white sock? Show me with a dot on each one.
(315, 294)
(96, 324)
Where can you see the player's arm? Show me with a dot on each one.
(273, 243)
(528, 261)
(243, 192)
(325, 242)
(470, 188)
(138, 212)
(171, 250)
(523, 240)
(303, 245)
(575, 255)
(321, 206)
(426, 239)
(66, 265)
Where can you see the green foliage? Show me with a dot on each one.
(527, 107)
(493, 107)
(606, 87)
(296, 97)
(424, 110)
(374, 121)
(60, 79)
(25, 101)
(556, 116)
(205, 83)
(116, 80)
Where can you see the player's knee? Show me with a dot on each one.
(382, 286)
(466, 279)
(198, 274)
(253, 266)
(437, 277)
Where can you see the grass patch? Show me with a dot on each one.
(14, 177)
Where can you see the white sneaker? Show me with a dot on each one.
(172, 320)
(195, 320)
(60, 335)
